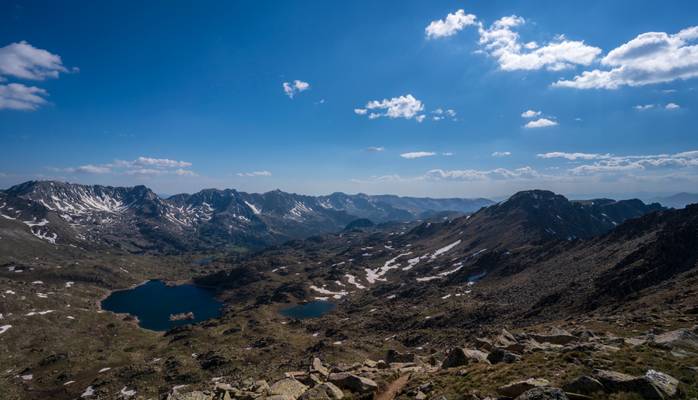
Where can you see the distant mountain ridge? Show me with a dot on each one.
(135, 219)
(678, 200)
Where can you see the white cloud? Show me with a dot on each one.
(502, 42)
(254, 173)
(644, 107)
(447, 154)
(452, 24)
(530, 114)
(417, 154)
(406, 106)
(375, 149)
(574, 156)
(15, 96)
(24, 61)
(142, 166)
(637, 163)
(649, 58)
(90, 169)
(420, 118)
(295, 87)
(476, 175)
(540, 123)
(501, 154)
(672, 106)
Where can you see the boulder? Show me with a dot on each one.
(504, 339)
(514, 389)
(393, 356)
(652, 386)
(317, 366)
(458, 357)
(667, 385)
(500, 355)
(324, 391)
(288, 387)
(353, 382)
(557, 336)
(682, 338)
(584, 385)
(483, 344)
(543, 393)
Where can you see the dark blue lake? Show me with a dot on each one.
(154, 302)
(312, 309)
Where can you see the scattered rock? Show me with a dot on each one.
(353, 382)
(557, 336)
(324, 391)
(317, 366)
(288, 387)
(459, 357)
(514, 389)
(543, 393)
(394, 356)
(584, 385)
(500, 355)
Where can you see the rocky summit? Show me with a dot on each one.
(534, 297)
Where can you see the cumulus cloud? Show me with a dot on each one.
(24, 61)
(672, 106)
(441, 114)
(502, 42)
(406, 107)
(295, 87)
(417, 154)
(449, 26)
(15, 96)
(649, 58)
(530, 114)
(254, 173)
(540, 123)
(501, 154)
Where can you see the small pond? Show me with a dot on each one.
(312, 309)
(154, 303)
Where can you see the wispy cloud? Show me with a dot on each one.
(24, 61)
(501, 154)
(417, 154)
(672, 106)
(573, 156)
(375, 149)
(476, 174)
(16, 96)
(254, 174)
(295, 87)
(141, 166)
(649, 58)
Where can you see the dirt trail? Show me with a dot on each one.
(393, 388)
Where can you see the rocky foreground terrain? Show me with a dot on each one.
(536, 297)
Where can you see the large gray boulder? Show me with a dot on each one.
(681, 338)
(288, 387)
(653, 385)
(353, 383)
(458, 357)
(324, 391)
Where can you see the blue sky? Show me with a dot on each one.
(409, 97)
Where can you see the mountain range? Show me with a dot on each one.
(136, 220)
